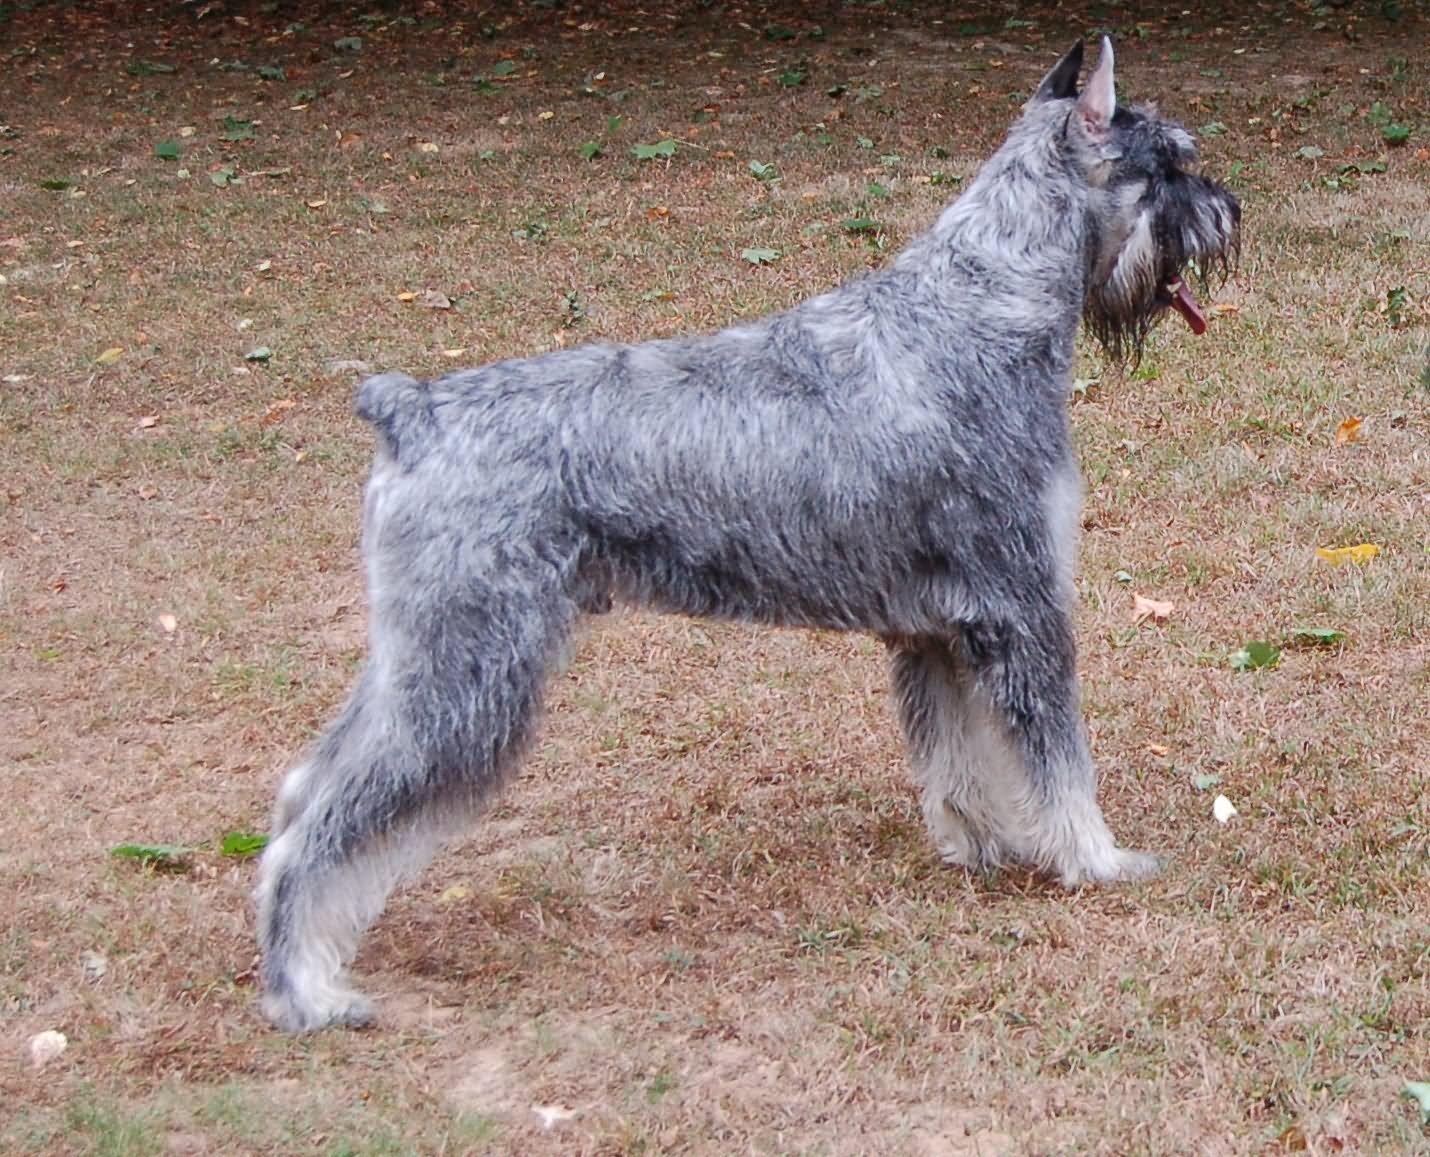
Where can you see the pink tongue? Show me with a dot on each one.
(1185, 304)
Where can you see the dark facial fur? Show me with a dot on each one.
(1152, 222)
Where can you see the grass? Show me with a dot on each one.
(706, 919)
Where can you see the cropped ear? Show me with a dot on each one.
(1061, 81)
(1099, 99)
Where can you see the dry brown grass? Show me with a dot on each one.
(706, 919)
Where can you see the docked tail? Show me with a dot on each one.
(399, 408)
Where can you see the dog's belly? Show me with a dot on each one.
(836, 582)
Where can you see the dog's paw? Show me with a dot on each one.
(960, 844)
(1114, 866)
(290, 1014)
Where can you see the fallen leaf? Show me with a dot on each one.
(1158, 749)
(429, 147)
(1223, 809)
(545, 115)
(148, 492)
(169, 623)
(1143, 608)
(263, 266)
(276, 411)
(407, 295)
(110, 356)
(1420, 1092)
(455, 894)
(1253, 656)
(433, 299)
(317, 204)
(454, 353)
(1336, 555)
(552, 1115)
(1349, 431)
(1317, 636)
(242, 844)
(347, 366)
(46, 1046)
(148, 421)
(259, 353)
(1225, 307)
(162, 857)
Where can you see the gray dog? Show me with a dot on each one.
(891, 457)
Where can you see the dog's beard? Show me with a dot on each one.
(1149, 276)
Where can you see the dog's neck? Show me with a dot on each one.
(1023, 217)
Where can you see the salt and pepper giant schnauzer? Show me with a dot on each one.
(893, 456)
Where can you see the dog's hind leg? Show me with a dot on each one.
(971, 778)
(441, 713)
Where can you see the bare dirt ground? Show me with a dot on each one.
(706, 920)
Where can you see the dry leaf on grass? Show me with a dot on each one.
(433, 299)
(1155, 609)
(552, 1115)
(347, 366)
(110, 356)
(1337, 555)
(148, 421)
(1349, 431)
(276, 411)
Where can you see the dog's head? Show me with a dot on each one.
(1153, 223)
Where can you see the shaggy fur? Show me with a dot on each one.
(893, 457)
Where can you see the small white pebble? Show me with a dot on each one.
(1223, 809)
(552, 1115)
(46, 1046)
